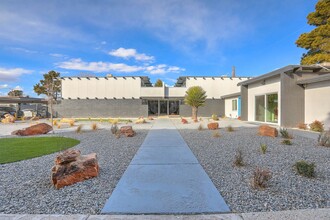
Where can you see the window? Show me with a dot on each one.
(234, 104)
(266, 108)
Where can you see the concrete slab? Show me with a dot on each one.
(167, 217)
(42, 217)
(164, 155)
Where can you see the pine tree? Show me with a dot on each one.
(158, 83)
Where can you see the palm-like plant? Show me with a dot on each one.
(195, 97)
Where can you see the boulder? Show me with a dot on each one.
(75, 169)
(37, 129)
(213, 126)
(184, 121)
(150, 118)
(127, 131)
(8, 119)
(266, 130)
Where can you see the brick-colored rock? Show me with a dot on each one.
(127, 131)
(67, 156)
(213, 126)
(266, 130)
(37, 129)
(70, 172)
(184, 121)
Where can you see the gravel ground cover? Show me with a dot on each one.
(25, 186)
(286, 189)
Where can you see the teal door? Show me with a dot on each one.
(239, 106)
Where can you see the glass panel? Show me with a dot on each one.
(153, 107)
(163, 107)
(174, 107)
(260, 108)
(234, 105)
(272, 108)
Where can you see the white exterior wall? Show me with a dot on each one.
(229, 108)
(317, 103)
(176, 91)
(216, 87)
(272, 85)
(152, 92)
(101, 88)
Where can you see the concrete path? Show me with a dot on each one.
(164, 177)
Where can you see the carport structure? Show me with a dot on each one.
(21, 100)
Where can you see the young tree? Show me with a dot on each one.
(195, 97)
(49, 86)
(317, 42)
(159, 83)
(15, 93)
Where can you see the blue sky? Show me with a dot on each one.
(159, 39)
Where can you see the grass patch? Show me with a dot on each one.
(16, 149)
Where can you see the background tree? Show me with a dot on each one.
(195, 97)
(159, 83)
(317, 42)
(15, 93)
(49, 86)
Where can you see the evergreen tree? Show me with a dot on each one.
(159, 83)
(15, 93)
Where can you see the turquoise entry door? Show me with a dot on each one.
(239, 106)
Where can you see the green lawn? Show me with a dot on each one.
(16, 149)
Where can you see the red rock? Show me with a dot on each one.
(150, 118)
(213, 126)
(266, 130)
(127, 131)
(184, 121)
(67, 156)
(68, 173)
(41, 128)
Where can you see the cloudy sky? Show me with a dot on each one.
(155, 38)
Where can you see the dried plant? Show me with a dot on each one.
(302, 126)
(305, 169)
(94, 126)
(230, 128)
(114, 129)
(79, 129)
(238, 160)
(324, 139)
(216, 134)
(260, 178)
(118, 134)
(71, 123)
(263, 148)
(316, 126)
(200, 127)
(285, 134)
(55, 122)
(59, 125)
(215, 117)
(286, 142)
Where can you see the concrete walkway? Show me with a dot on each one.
(164, 177)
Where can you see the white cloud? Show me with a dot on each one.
(130, 53)
(58, 55)
(17, 88)
(12, 74)
(78, 64)
(100, 66)
(4, 86)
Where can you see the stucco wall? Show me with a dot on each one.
(212, 106)
(229, 108)
(270, 86)
(317, 103)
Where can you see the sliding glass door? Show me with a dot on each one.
(266, 108)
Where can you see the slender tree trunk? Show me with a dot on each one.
(194, 113)
(51, 113)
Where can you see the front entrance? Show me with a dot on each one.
(163, 107)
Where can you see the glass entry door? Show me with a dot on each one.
(266, 108)
(163, 107)
(260, 108)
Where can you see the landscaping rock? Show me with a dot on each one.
(37, 129)
(184, 121)
(150, 118)
(127, 131)
(213, 126)
(266, 130)
(8, 119)
(66, 173)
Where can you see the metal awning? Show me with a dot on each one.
(8, 99)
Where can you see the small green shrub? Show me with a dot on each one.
(263, 148)
(114, 129)
(305, 169)
(260, 178)
(230, 128)
(316, 126)
(238, 160)
(285, 134)
(286, 142)
(215, 117)
(324, 139)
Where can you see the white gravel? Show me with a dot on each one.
(25, 186)
(286, 189)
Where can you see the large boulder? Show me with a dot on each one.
(71, 167)
(266, 130)
(213, 126)
(37, 129)
(127, 131)
(184, 121)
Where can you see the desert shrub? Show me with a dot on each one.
(200, 127)
(94, 126)
(79, 129)
(238, 159)
(263, 148)
(118, 134)
(140, 121)
(59, 125)
(305, 169)
(55, 122)
(260, 177)
(316, 126)
(114, 129)
(230, 128)
(286, 142)
(216, 134)
(215, 117)
(324, 139)
(285, 134)
(302, 126)
(200, 119)
(71, 123)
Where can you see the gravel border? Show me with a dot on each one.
(286, 190)
(26, 188)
